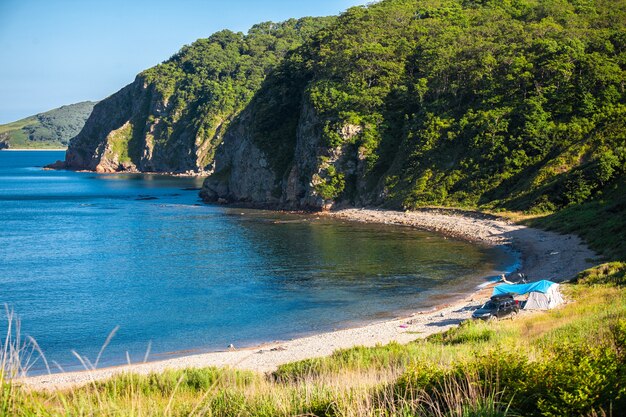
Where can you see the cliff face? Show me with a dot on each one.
(90, 148)
(241, 168)
(243, 172)
(407, 104)
(173, 116)
(126, 132)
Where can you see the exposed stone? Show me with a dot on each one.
(348, 131)
(243, 174)
(138, 108)
(56, 165)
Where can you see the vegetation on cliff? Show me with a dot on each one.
(515, 105)
(518, 105)
(52, 129)
(175, 114)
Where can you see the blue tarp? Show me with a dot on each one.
(539, 286)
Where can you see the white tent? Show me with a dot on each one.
(542, 295)
(544, 301)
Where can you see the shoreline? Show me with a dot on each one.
(33, 150)
(51, 167)
(543, 255)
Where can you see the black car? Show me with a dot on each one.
(497, 307)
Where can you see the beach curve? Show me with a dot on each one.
(544, 255)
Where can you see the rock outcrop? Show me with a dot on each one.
(173, 116)
(244, 175)
(4, 143)
(241, 171)
(125, 133)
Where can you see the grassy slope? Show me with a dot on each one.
(49, 130)
(476, 369)
(14, 133)
(600, 222)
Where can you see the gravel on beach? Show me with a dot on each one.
(544, 255)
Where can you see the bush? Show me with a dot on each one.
(613, 273)
(580, 380)
(567, 379)
(469, 331)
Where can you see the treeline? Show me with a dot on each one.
(207, 83)
(514, 104)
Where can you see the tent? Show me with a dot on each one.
(542, 295)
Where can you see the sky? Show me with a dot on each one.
(56, 52)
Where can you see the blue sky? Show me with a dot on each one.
(55, 52)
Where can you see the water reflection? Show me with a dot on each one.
(85, 253)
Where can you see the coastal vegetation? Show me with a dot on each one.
(178, 111)
(569, 361)
(50, 130)
(515, 105)
(491, 105)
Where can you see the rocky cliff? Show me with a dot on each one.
(244, 173)
(125, 133)
(173, 116)
(518, 105)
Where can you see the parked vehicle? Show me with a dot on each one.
(497, 307)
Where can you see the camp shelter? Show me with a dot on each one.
(542, 295)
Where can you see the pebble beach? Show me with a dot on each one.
(544, 255)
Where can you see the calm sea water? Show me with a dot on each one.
(82, 253)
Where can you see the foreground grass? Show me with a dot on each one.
(571, 361)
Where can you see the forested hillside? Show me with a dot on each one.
(52, 129)
(498, 104)
(175, 114)
(402, 103)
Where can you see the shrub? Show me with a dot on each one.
(580, 380)
(467, 332)
(613, 273)
(332, 185)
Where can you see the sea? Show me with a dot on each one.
(102, 269)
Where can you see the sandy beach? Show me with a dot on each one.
(545, 255)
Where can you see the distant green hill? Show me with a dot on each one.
(52, 129)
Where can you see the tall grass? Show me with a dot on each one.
(17, 356)
(569, 361)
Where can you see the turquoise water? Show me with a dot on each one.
(81, 254)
